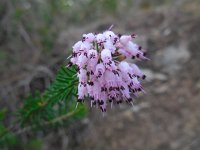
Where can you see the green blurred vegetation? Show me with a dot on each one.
(45, 111)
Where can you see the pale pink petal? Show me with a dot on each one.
(124, 39)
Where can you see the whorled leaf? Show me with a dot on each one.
(57, 100)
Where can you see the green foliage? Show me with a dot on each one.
(57, 100)
(47, 37)
(53, 108)
(64, 86)
(3, 55)
(19, 13)
(34, 144)
(35, 110)
(2, 114)
(6, 137)
(110, 5)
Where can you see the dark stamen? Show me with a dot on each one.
(70, 64)
(85, 54)
(90, 83)
(94, 103)
(144, 76)
(122, 88)
(110, 89)
(102, 89)
(80, 100)
(117, 88)
(129, 99)
(101, 102)
(133, 35)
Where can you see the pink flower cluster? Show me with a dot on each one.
(103, 74)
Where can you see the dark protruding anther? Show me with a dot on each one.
(133, 35)
(144, 76)
(80, 100)
(70, 64)
(77, 69)
(130, 100)
(94, 103)
(118, 89)
(90, 83)
(101, 109)
(101, 102)
(122, 88)
(102, 89)
(110, 89)
(83, 39)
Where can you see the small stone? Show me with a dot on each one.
(172, 58)
(161, 89)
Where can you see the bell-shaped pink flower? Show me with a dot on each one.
(77, 46)
(124, 52)
(100, 69)
(110, 35)
(96, 91)
(82, 75)
(132, 48)
(82, 60)
(124, 39)
(125, 90)
(137, 71)
(100, 38)
(85, 46)
(106, 55)
(110, 79)
(73, 60)
(92, 59)
(82, 90)
(108, 44)
(102, 75)
(124, 67)
(90, 37)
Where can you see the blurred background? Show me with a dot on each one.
(36, 37)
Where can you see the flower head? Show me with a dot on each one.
(103, 75)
